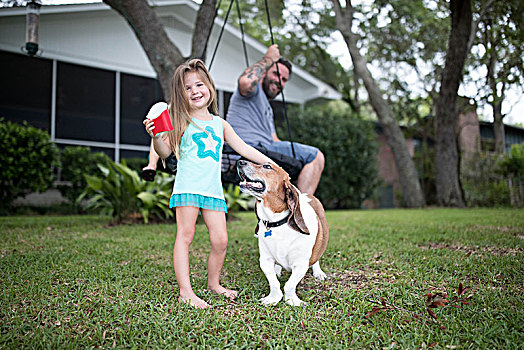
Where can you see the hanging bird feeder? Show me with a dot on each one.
(31, 30)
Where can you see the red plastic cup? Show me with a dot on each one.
(159, 114)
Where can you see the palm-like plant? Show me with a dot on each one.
(236, 199)
(120, 193)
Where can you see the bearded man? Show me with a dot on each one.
(251, 116)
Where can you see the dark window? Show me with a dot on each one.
(85, 106)
(138, 94)
(25, 91)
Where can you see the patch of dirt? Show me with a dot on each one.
(475, 250)
(346, 280)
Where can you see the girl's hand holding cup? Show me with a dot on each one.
(158, 120)
(150, 127)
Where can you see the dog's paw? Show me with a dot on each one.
(295, 301)
(271, 299)
(319, 275)
(317, 272)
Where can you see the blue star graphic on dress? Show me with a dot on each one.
(208, 145)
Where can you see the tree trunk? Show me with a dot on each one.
(498, 128)
(163, 54)
(449, 191)
(203, 26)
(511, 192)
(408, 176)
(496, 104)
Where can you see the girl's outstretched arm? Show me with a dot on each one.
(243, 148)
(160, 141)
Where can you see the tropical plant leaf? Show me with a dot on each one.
(147, 198)
(94, 182)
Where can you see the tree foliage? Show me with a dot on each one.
(402, 39)
(498, 51)
(12, 3)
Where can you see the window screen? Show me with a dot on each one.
(25, 89)
(85, 106)
(138, 94)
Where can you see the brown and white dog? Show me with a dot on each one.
(292, 229)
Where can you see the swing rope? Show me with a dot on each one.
(210, 30)
(242, 32)
(247, 61)
(220, 35)
(280, 82)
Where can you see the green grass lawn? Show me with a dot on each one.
(76, 282)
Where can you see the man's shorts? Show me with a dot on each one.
(305, 153)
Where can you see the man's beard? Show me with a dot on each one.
(267, 91)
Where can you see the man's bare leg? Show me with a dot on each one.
(309, 177)
(153, 158)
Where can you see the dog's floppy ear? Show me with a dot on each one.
(295, 221)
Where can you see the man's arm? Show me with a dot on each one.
(252, 75)
(275, 137)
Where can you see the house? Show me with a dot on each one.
(476, 136)
(91, 83)
(513, 135)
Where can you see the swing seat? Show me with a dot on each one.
(230, 158)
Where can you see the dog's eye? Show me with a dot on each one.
(267, 166)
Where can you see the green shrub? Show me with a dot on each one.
(350, 150)
(28, 160)
(494, 180)
(136, 163)
(513, 162)
(512, 166)
(122, 194)
(482, 181)
(76, 162)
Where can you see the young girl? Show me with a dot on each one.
(197, 140)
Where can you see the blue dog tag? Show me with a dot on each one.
(268, 233)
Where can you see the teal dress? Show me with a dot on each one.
(198, 180)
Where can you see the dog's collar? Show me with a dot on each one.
(269, 224)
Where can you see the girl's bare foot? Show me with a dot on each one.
(194, 301)
(231, 294)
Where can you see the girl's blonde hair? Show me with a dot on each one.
(179, 105)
